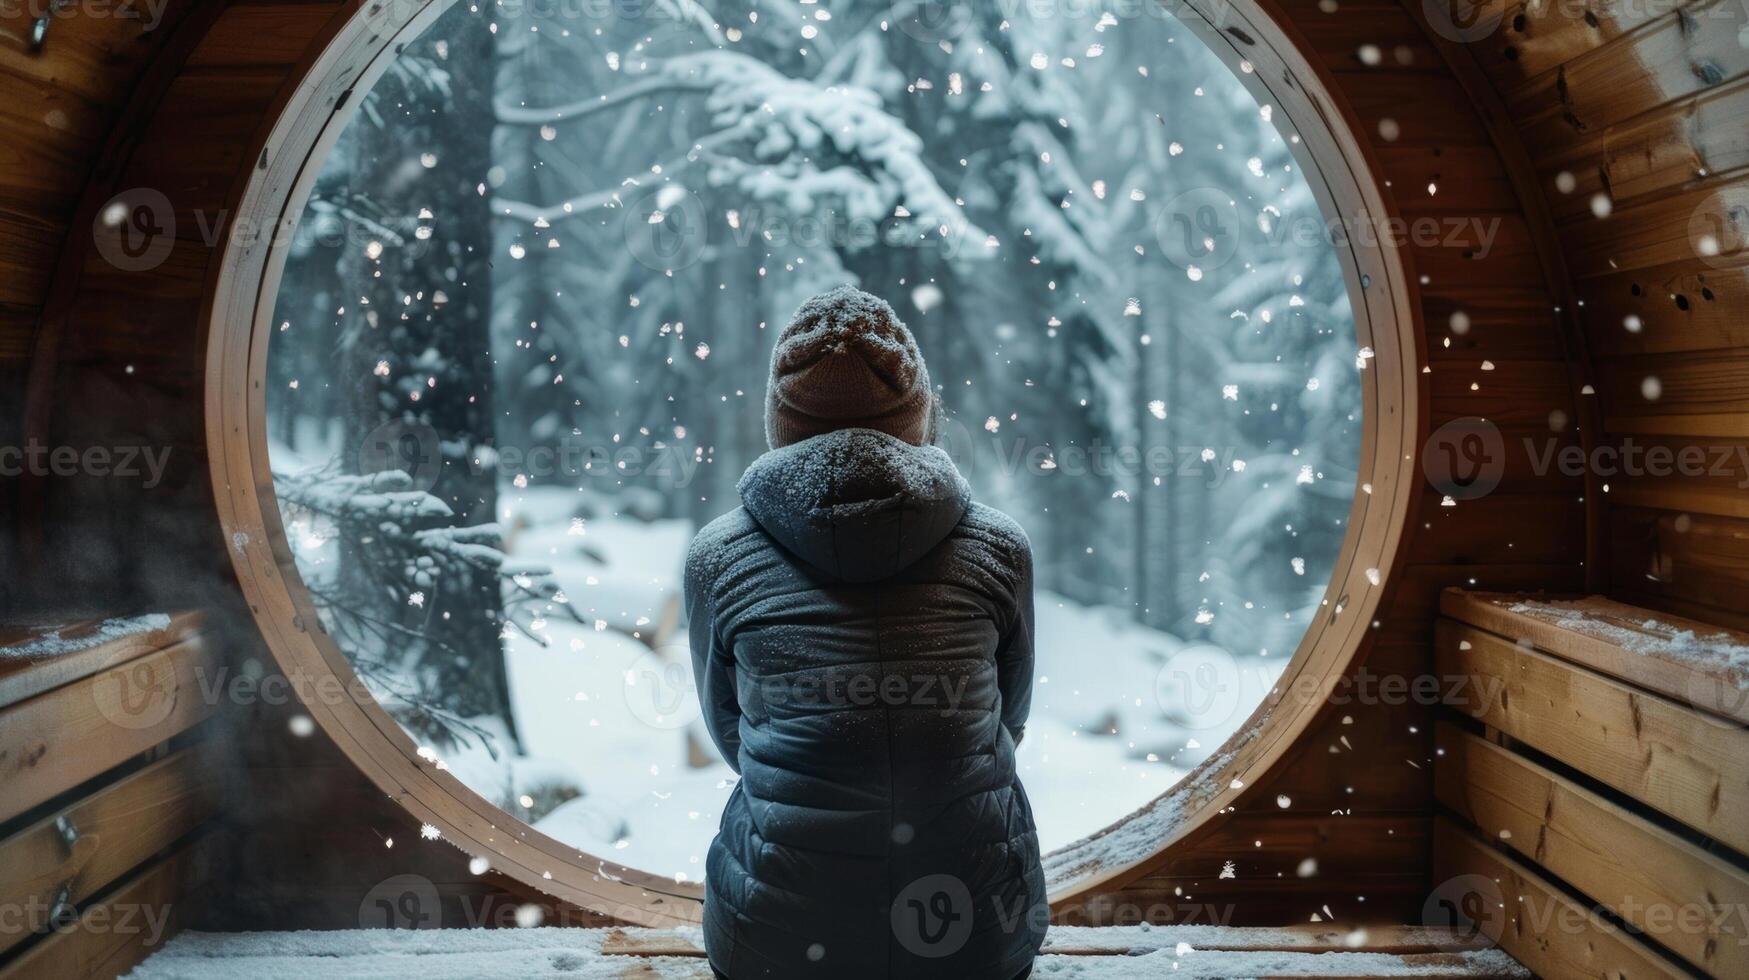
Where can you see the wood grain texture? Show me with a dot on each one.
(112, 936)
(1661, 752)
(1676, 54)
(1532, 919)
(24, 676)
(1684, 898)
(1695, 565)
(55, 741)
(1676, 147)
(114, 830)
(1594, 639)
(1637, 118)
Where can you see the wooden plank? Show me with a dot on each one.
(1675, 55)
(57, 740)
(1544, 529)
(1732, 427)
(1677, 606)
(1539, 925)
(1671, 148)
(1418, 106)
(1469, 324)
(1684, 898)
(76, 652)
(1681, 494)
(1418, 587)
(95, 58)
(1533, 38)
(1683, 659)
(1399, 940)
(1342, 43)
(113, 831)
(1682, 558)
(1665, 754)
(197, 172)
(114, 935)
(1515, 393)
(1496, 248)
(261, 35)
(1679, 306)
(1663, 231)
(1674, 384)
(1460, 180)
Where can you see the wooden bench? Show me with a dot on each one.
(1118, 952)
(106, 782)
(1593, 780)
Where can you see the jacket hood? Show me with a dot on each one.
(856, 504)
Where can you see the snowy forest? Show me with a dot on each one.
(521, 345)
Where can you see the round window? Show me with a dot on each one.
(519, 342)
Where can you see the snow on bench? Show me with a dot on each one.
(1118, 953)
(1703, 666)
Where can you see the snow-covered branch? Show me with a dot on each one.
(801, 144)
(571, 111)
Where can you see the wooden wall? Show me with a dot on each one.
(93, 354)
(1351, 843)
(111, 789)
(96, 354)
(1637, 123)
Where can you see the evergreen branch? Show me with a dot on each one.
(570, 112)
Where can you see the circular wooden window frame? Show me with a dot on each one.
(357, 46)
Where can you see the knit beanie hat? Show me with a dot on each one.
(847, 362)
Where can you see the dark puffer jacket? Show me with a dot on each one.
(862, 640)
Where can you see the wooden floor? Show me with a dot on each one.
(596, 954)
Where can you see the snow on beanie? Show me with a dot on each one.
(846, 361)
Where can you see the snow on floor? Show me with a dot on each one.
(514, 954)
(51, 643)
(598, 710)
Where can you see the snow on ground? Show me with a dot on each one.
(598, 709)
(490, 954)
